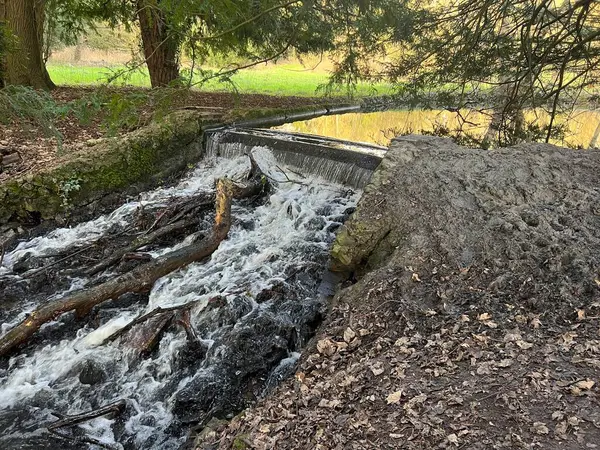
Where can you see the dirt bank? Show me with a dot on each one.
(474, 321)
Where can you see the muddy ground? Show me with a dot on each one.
(471, 318)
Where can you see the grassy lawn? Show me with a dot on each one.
(288, 79)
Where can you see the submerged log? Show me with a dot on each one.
(141, 278)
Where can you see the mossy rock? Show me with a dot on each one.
(140, 158)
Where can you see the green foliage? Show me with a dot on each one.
(242, 33)
(512, 55)
(29, 106)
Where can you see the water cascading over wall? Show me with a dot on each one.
(337, 161)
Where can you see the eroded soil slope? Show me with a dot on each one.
(475, 320)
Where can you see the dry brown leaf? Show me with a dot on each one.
(535, 322)
(326, 347)
(394, 397)
(540, 428)
(483, 317)
(585, 385)
(453, 439)
(349, 334)
(524, 345)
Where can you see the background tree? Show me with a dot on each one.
(512, 54)
(254, 31)
(24, 63)
(3, 44)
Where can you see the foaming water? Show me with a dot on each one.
(347, 163)
(201, 179)
(281, 244)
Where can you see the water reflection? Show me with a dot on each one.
(583, 127)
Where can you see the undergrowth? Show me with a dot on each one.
(116, 111)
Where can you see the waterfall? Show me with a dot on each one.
(343, 162)
(256, 302)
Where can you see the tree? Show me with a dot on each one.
(160, 43)
(255, 31)
(3, 44)
(24, 63)
(542, 55)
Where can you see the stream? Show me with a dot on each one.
(257, 300)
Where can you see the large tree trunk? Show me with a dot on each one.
(24, 65)
(2, 43)
(160, 45)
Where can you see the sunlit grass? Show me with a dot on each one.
(289, 79)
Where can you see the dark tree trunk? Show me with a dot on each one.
(2, 41)
(161, 46)
(24, 65)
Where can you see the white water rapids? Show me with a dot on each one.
(283, 241)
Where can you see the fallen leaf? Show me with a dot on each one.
(573, 421)
(326, 347)
(377, 369)
(585, 385)
(580, 314)
(349, 334)
(484, 368)
(453, 439)
(505, 362)
(415, 277)
(394, 397)
(536, 322)
(483, 317)
(540, 428)
(524, 345)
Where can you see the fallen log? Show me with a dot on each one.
(70, 421)
(141, 278)
(140, 242)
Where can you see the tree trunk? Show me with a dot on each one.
(25, 65)
(161, 46)
(3, 43)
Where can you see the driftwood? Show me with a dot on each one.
(145, 317)
(144, 333)
(141, 278)
(76, 419)
(69, 421)
(140, 242)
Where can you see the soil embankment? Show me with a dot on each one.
(474, 321)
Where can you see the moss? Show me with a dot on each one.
(240, 442)
(137, 158)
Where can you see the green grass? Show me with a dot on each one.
(290, 79)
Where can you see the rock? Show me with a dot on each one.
(91, 373)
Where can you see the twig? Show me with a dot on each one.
(68, 421)
(83, 439)
(141, 241)
(2, 250)
(35, 272)
(145, 317)
(289, 180)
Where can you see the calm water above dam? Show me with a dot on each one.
(380, 127)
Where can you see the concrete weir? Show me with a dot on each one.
(345, 162)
